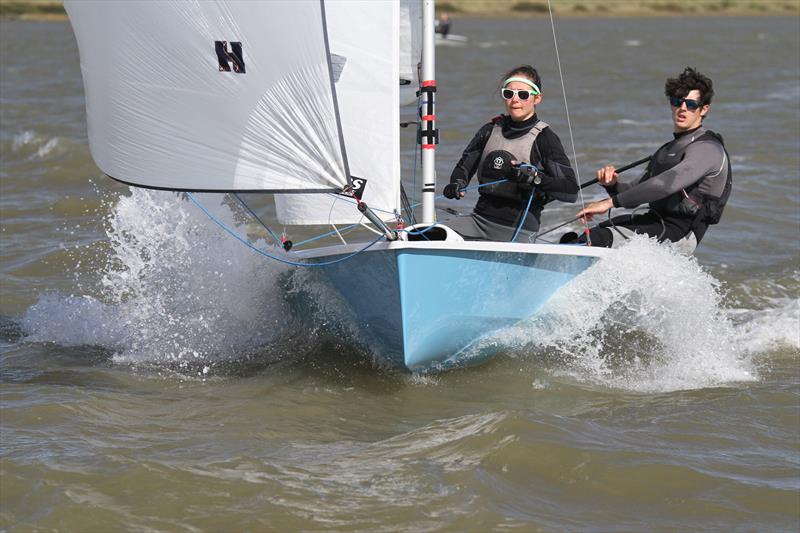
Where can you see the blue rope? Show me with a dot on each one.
(328, 234)
(352, 226)
(297, 244)
(521, 222)
(277, 239)
(484, 185)
(471, 187)
(265, 254)
(422, 232)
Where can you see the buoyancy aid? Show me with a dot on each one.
(521, 149)
(691, 202)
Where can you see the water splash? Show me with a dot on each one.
(22, 139)
(174, 287)
(646, 319)
(771, 329)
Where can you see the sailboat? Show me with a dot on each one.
(301, 100)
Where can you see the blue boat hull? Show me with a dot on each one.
(420, 305)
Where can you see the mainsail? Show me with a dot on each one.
(212, 96)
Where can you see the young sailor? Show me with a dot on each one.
(443, 25)
(687, 182)
(510, 209)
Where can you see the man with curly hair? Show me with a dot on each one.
(687, 182)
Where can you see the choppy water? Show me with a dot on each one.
(154, 378)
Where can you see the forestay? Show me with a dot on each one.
(216, 96)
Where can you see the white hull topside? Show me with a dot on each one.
(473, 246)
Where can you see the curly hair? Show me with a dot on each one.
(687, 81)
(526, 71)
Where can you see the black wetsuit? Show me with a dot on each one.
(547, 153)
(686, 185)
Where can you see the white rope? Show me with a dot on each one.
(566, 108)
(337, 233)
(367, 226)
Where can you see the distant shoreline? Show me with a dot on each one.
(32, 10)
(49, 10)
(615, 8)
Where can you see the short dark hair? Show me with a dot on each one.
(526, 71)
(688, 81)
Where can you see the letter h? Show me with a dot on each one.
(227, 58)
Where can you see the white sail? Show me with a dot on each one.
(365, 38)
(164, 112)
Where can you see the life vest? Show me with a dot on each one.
(521, 149)
(691, 203)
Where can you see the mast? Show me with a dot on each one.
(429, 135)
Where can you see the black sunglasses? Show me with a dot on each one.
(691, 105)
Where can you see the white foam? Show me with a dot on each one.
(175, 287)
(492, 44)
(776, 327)
(788, 93)
(73, 321)
(48, 147)
(646, 319)
(20, 140)
(28, 140)
(632, 122)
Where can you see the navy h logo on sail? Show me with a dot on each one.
(227, 58)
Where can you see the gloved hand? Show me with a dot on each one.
(453, 190)
(527, 175)
(500, 164)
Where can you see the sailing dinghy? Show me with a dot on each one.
(301, 100)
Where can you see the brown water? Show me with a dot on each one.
(154, 377)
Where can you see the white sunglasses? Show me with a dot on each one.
(522, 94)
